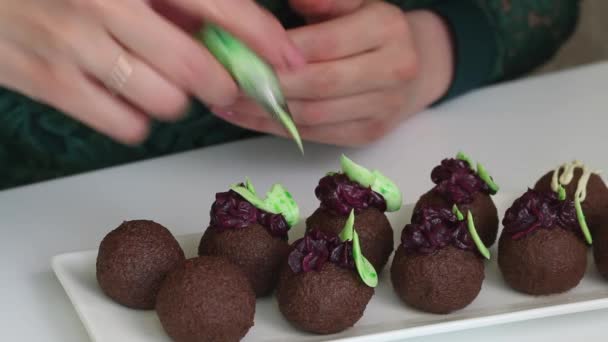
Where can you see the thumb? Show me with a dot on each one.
(320, 10)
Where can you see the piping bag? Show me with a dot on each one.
(252, 74)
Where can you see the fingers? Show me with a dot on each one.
(345, 36)
(246, 20)
(318, 10)
(91, 104)
(363, 73)
(72, 93)
(352, 133)
(175, 55)
(132, 78)
(331, 111)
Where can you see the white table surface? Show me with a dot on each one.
(519, 130)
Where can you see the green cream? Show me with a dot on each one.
(278, 201)
(561, 193)
(557, 185)
(457, 212)
(485, 176)
(582, 221)
(365, 269)
(254, 76)
(481, 172)
(473, 232)
(374, 179)
(466, 158)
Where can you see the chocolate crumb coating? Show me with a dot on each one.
(374, 229)
(595, 205)
(600, 249)
(134, 259)
(206, 299)
(543, 262)
(442, 282)
(324, 302)
(259, 254)
(483, 209)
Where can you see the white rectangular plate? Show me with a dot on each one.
(385, 319)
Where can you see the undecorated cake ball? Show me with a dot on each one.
(134, 259)
(206, 299)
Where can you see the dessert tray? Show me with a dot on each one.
(386, 318)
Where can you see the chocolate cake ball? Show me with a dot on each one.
(437, 267)
(375, 232)
(541, 250)
(457, 183)
(600, 249)
(258, 253)
(319, 290)
(134, 259)
(249, 237)
(206, 299)
(595, 205)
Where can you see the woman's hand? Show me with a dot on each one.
(111, 63)
(370, 65)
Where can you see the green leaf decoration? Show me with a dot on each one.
(254, 76)
(561, 193)
(457, 212)
(250, 186)
(466, 158)
(582, 221)
(389, 190)
(349, 227)
(481, 172)
(374, 179)
(473, 232)
(485, 176)
(356, 172)
(365, 269)
(249, 196)
(278, 201)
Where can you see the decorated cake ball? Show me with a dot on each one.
(327, 282)
(457, 182)
(206, 299)
(369, 194)
(582, 185)
(600, 248)
(134, 259)
(251, 232)
(542, 249)
(438, 267)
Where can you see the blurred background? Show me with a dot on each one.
(590, 42)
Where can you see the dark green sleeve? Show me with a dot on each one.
(496, 40)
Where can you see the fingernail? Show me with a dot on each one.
(226, 113)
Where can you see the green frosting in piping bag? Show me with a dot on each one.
(374, 179)
(254, 76)
(278, 201)
(366, 270)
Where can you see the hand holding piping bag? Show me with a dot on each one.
(254, 76)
